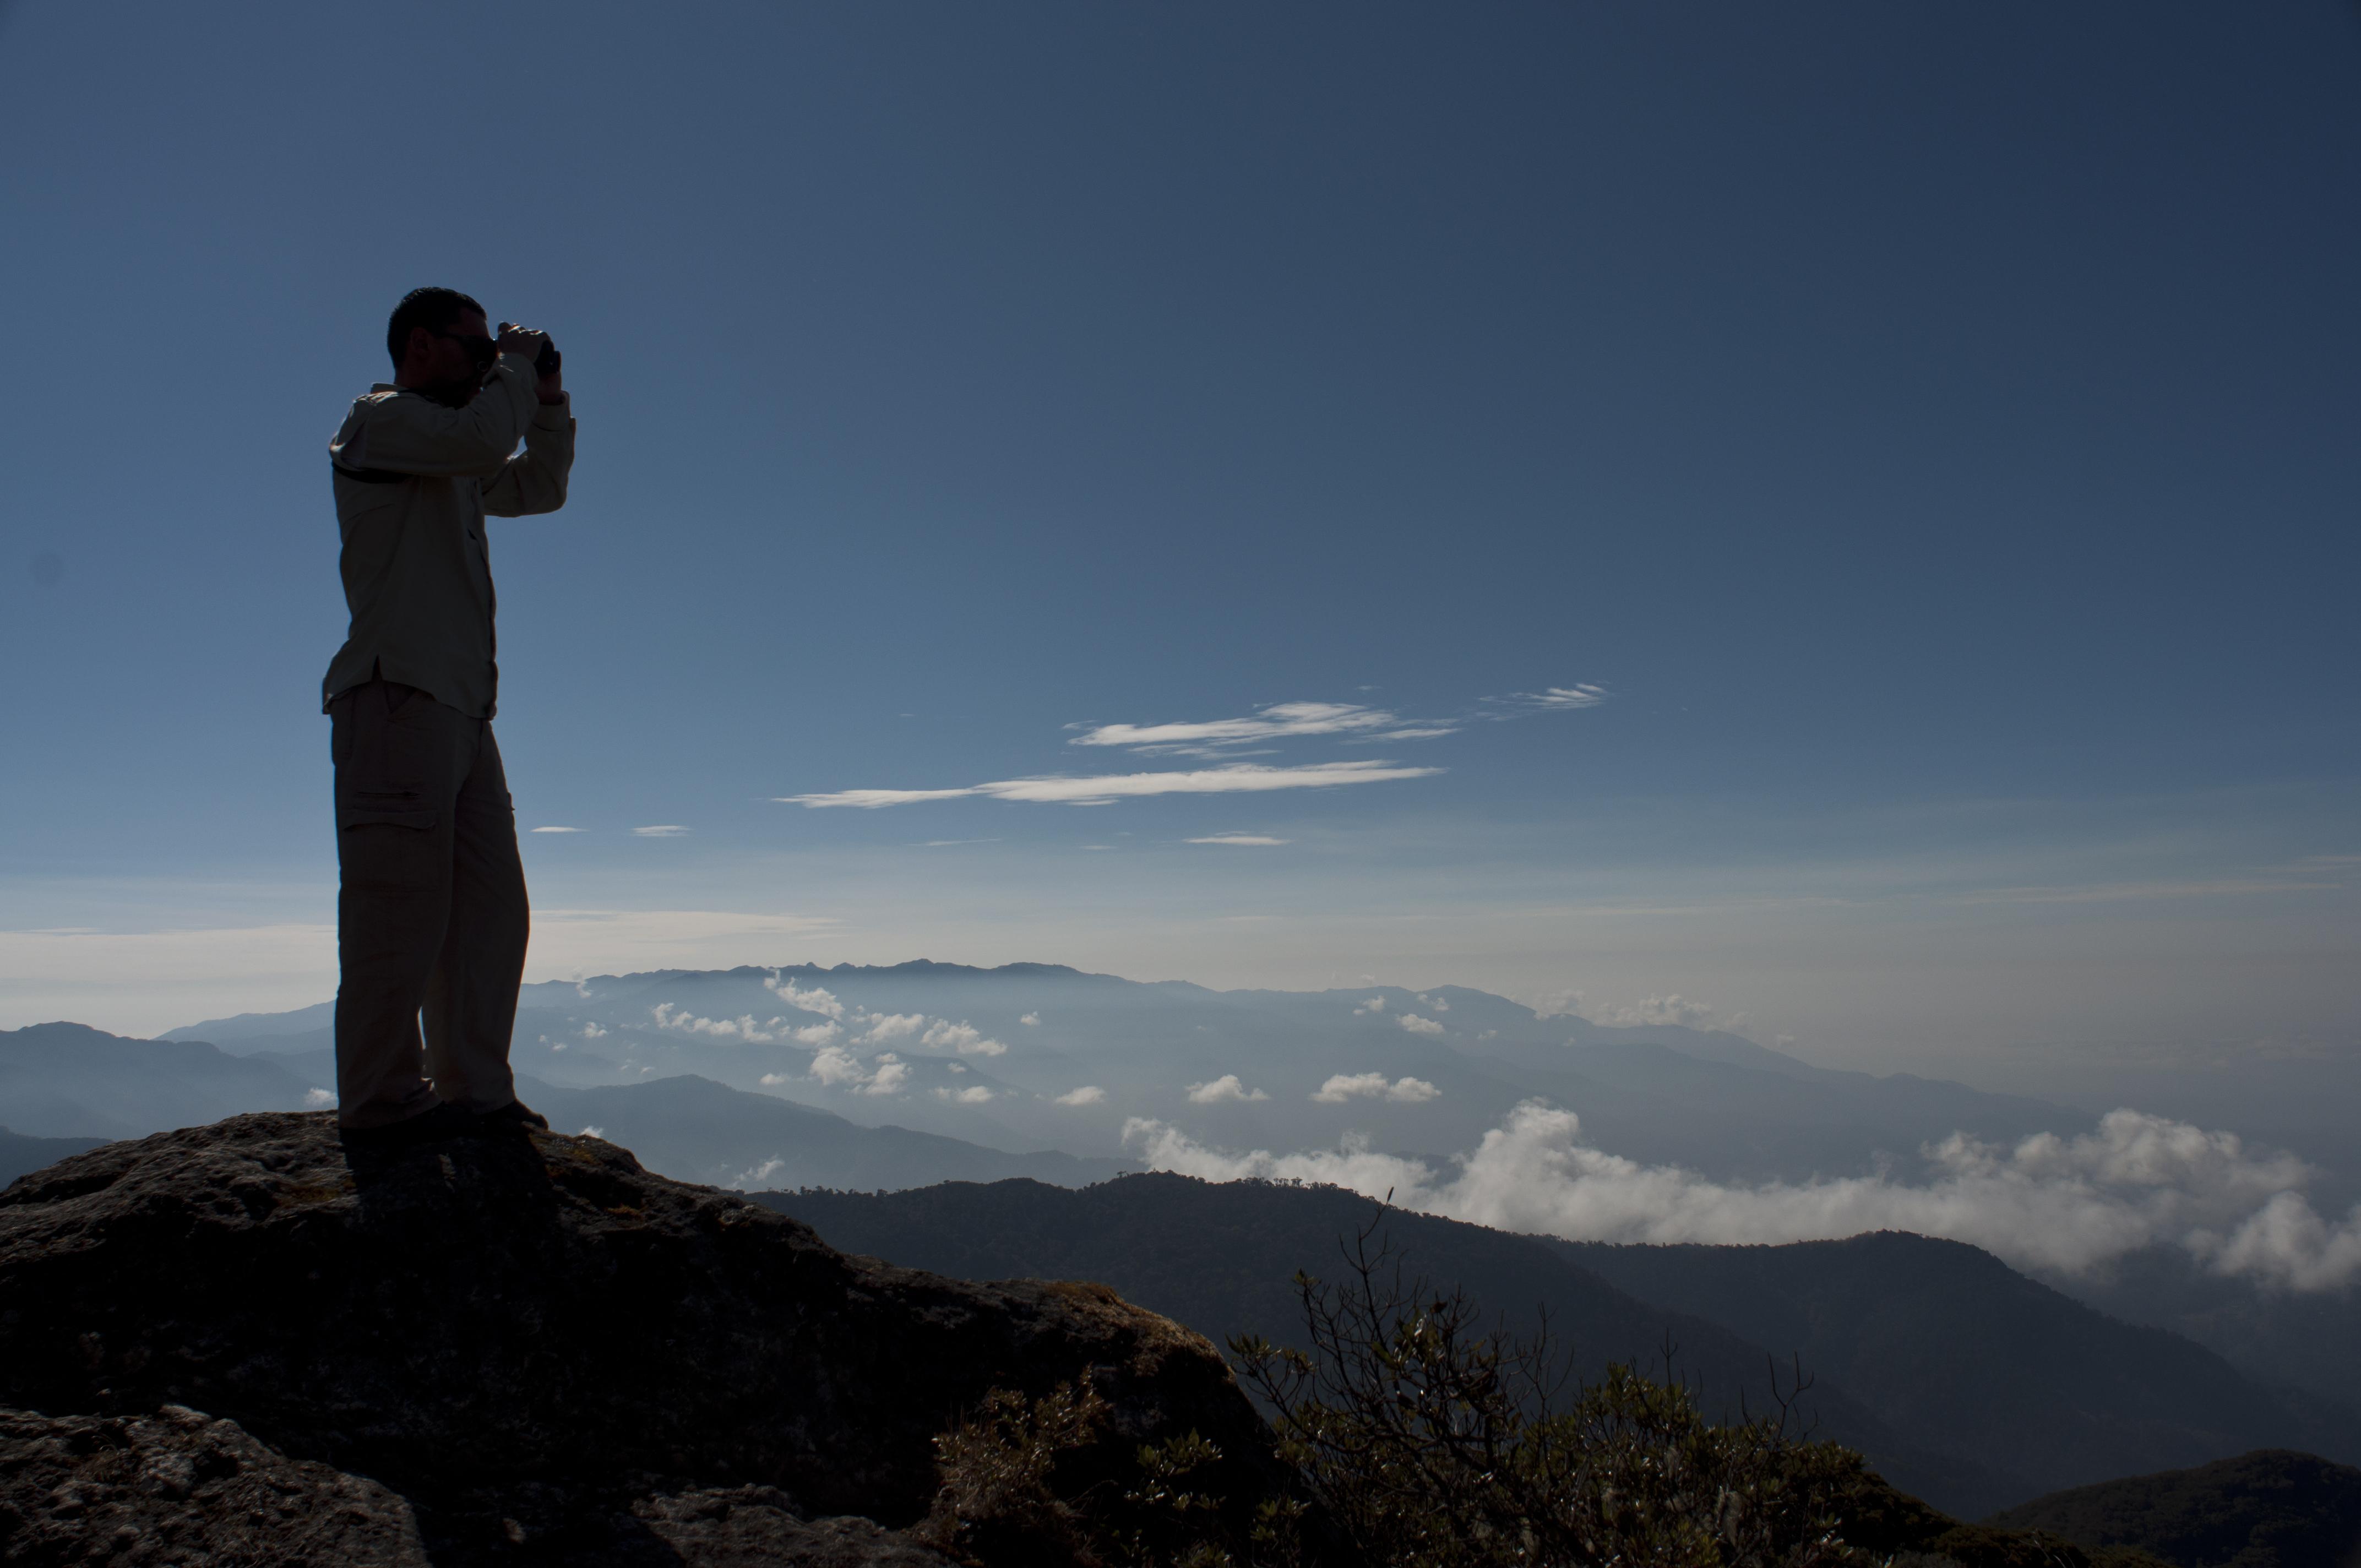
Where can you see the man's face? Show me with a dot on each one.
(458, 364)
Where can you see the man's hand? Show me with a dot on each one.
(521, 340)
(514, 339)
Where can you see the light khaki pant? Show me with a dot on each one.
(430, 915)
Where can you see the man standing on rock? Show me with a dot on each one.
(430, 915)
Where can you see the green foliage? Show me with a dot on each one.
(1416, 1440)
(1428, 1444)
(1011, 1493)
(997, 1500)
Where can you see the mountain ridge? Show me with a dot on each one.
(1003, 1048)
(695, 1128)
(1221, 1252)
(1224, 1252)
(2270, 1508)
(1940, 1327)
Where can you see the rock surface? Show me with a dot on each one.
(523, 1348)
(182, 1488)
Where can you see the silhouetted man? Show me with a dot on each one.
(432, 915)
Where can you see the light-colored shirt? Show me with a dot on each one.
(414, 480)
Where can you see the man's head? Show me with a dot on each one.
(441, 344)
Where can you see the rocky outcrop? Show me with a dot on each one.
(524, 1348)
(182, 1488)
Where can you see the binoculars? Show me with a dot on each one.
(547, 362)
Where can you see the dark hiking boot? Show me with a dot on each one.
(515, 1116)
(441, 1120)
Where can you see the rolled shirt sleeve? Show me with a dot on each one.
(533, 481)
(418, 435)
(414, 480)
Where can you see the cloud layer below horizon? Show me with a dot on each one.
(2065, 1205)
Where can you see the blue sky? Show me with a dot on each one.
(1930, 433)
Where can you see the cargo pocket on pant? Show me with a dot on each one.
(386, 811)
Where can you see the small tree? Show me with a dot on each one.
(1430, 1443)
(1419, 1441)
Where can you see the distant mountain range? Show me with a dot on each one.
(2307, 1342)
(68, 1080)
(1220, 1257)
(60, 1078)
(1967, 1382)
(697, 1130)
(880, 1078)
(1939, 1336)
(2266, 1509)
(1964, 1382)
(19, 1154)
(996, 1056)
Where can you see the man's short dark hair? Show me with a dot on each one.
(433, 309)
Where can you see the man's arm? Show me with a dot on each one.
(534, 480)
(417, 435)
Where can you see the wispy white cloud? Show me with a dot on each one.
(1225, 741)
(1088, 1094)
(561, 830)
(1031, 1020)
(2124, 892)
(1104, 789)
(1564, 1004)
(1223, 1088)
(749, 1180)
(1549, 699)
(1418, 1026)
(963, 1037)
(319, 1099)
(1343, 1087)
(1372, 1007)
(662, 830)
(1279, 720)
(839, 1068)
(973, 1094)
(593, 1031)
(879, 1027)
(2070, 1205)
(680, 1021)
(1240, 839)
(1674, 1009)
(812, 1000)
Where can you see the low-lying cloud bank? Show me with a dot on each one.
(2070, 1205)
